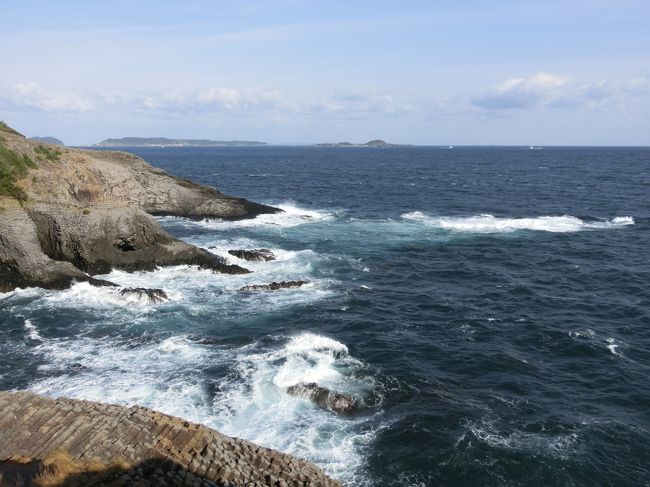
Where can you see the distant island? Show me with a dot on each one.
(165, 142)
(47, 140)
(372, 143)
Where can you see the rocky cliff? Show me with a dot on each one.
(143, 447)
(66, 214)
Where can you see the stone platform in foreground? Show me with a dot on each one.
(35, 426)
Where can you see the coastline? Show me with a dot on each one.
(72, 214)
(172, 451)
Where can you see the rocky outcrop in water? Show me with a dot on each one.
(323, 397)
(274, 286)
(73, 213)
(253, 255)
(152, 295)
(155, 449)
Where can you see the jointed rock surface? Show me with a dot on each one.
(35, 426)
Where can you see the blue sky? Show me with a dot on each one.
(290, 71)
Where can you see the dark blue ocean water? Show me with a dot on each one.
(489, 306)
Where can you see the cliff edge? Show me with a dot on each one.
(67, 214)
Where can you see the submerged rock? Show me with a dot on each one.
(274, 286)
(256, 255)
(153, 295)
(323, 397)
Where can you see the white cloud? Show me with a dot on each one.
(31, 96)
(537, 90)
(214, 99)
(550, 91)
(261, 101)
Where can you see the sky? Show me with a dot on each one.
(497, 72)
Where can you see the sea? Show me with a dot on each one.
(487, 307)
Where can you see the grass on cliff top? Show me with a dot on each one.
(60, 469)
(6, 128)
(49, 154)
(13, 167)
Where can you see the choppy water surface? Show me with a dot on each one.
(490, 307)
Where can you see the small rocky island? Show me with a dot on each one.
(372, 143)
(165, 142)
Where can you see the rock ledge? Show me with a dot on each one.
(34, 426)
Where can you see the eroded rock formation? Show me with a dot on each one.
(254, 255)
(323, 397)
(84, 212)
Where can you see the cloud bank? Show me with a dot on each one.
(542, 91)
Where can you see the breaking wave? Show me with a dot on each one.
(290, 216)
(490, 224)
(170, 375)
(255, 405)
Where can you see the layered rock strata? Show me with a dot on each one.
(82, 213)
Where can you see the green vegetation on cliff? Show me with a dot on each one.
(49, 154)
(6, 128)
(13, 166)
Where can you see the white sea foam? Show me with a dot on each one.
(204, 288)
(255, 406)
(554, 445)
(291, 216)
(611, 344)
(161, 375)
(32, 332)
(84, 295)
(490, 224)
(169, 375)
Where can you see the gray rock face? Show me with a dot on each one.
(22, 261)
(274, 286)
(255, 255)
(97, 239)
(121, 179)
(87, 212)
(323, 397)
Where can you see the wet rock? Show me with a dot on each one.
(255, 255)
(115, 238)
(274, 286)
(153, 295)
(323, 397)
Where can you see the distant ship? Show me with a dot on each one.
(532, 147)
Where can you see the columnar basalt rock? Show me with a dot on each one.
(34, 426)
